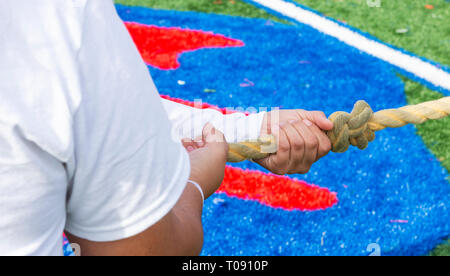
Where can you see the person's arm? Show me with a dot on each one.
(300, 134)
(180, 232)
(188, 122)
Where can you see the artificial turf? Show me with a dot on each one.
(426, 21)
(435, 134)
(427, 34)
(227, 7)
(418, 26)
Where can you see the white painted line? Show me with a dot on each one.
(414, 65)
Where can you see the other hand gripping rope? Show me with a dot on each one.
(357, 128)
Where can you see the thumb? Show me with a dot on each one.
(211, 135)
(320, 120)
(215, 140)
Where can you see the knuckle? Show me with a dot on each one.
(298, 144)
(326, 146)
(298, 124)
(312, 143)
(284, 147)
(301, 112)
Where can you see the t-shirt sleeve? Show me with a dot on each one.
(128, 171)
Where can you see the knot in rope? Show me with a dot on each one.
(351, 129)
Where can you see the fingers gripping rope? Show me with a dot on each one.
(356, 129)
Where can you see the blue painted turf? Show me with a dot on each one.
(67, 249)
(396, 178)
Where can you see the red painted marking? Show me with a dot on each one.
(161, 46)
(276, 191)
(202, 106)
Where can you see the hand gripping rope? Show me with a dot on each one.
(356, 128)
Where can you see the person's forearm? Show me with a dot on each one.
(188, 122)
(179, 233)
(188, 213)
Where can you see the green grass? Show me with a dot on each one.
(227, 7)
(428, 30)
(435, 134)
(441, 250)
(428, 35)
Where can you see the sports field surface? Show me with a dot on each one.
(391, 199)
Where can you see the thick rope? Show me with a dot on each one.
(248, 150)
(356, 128)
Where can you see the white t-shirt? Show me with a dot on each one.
(86, 144)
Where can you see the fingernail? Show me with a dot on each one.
(307, 122)
(190, 148)
(292, 121)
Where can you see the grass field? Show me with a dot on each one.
(426, 22)
(226, 7)
(418, 26)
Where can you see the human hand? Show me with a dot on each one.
(301, 140)
(208, 155)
